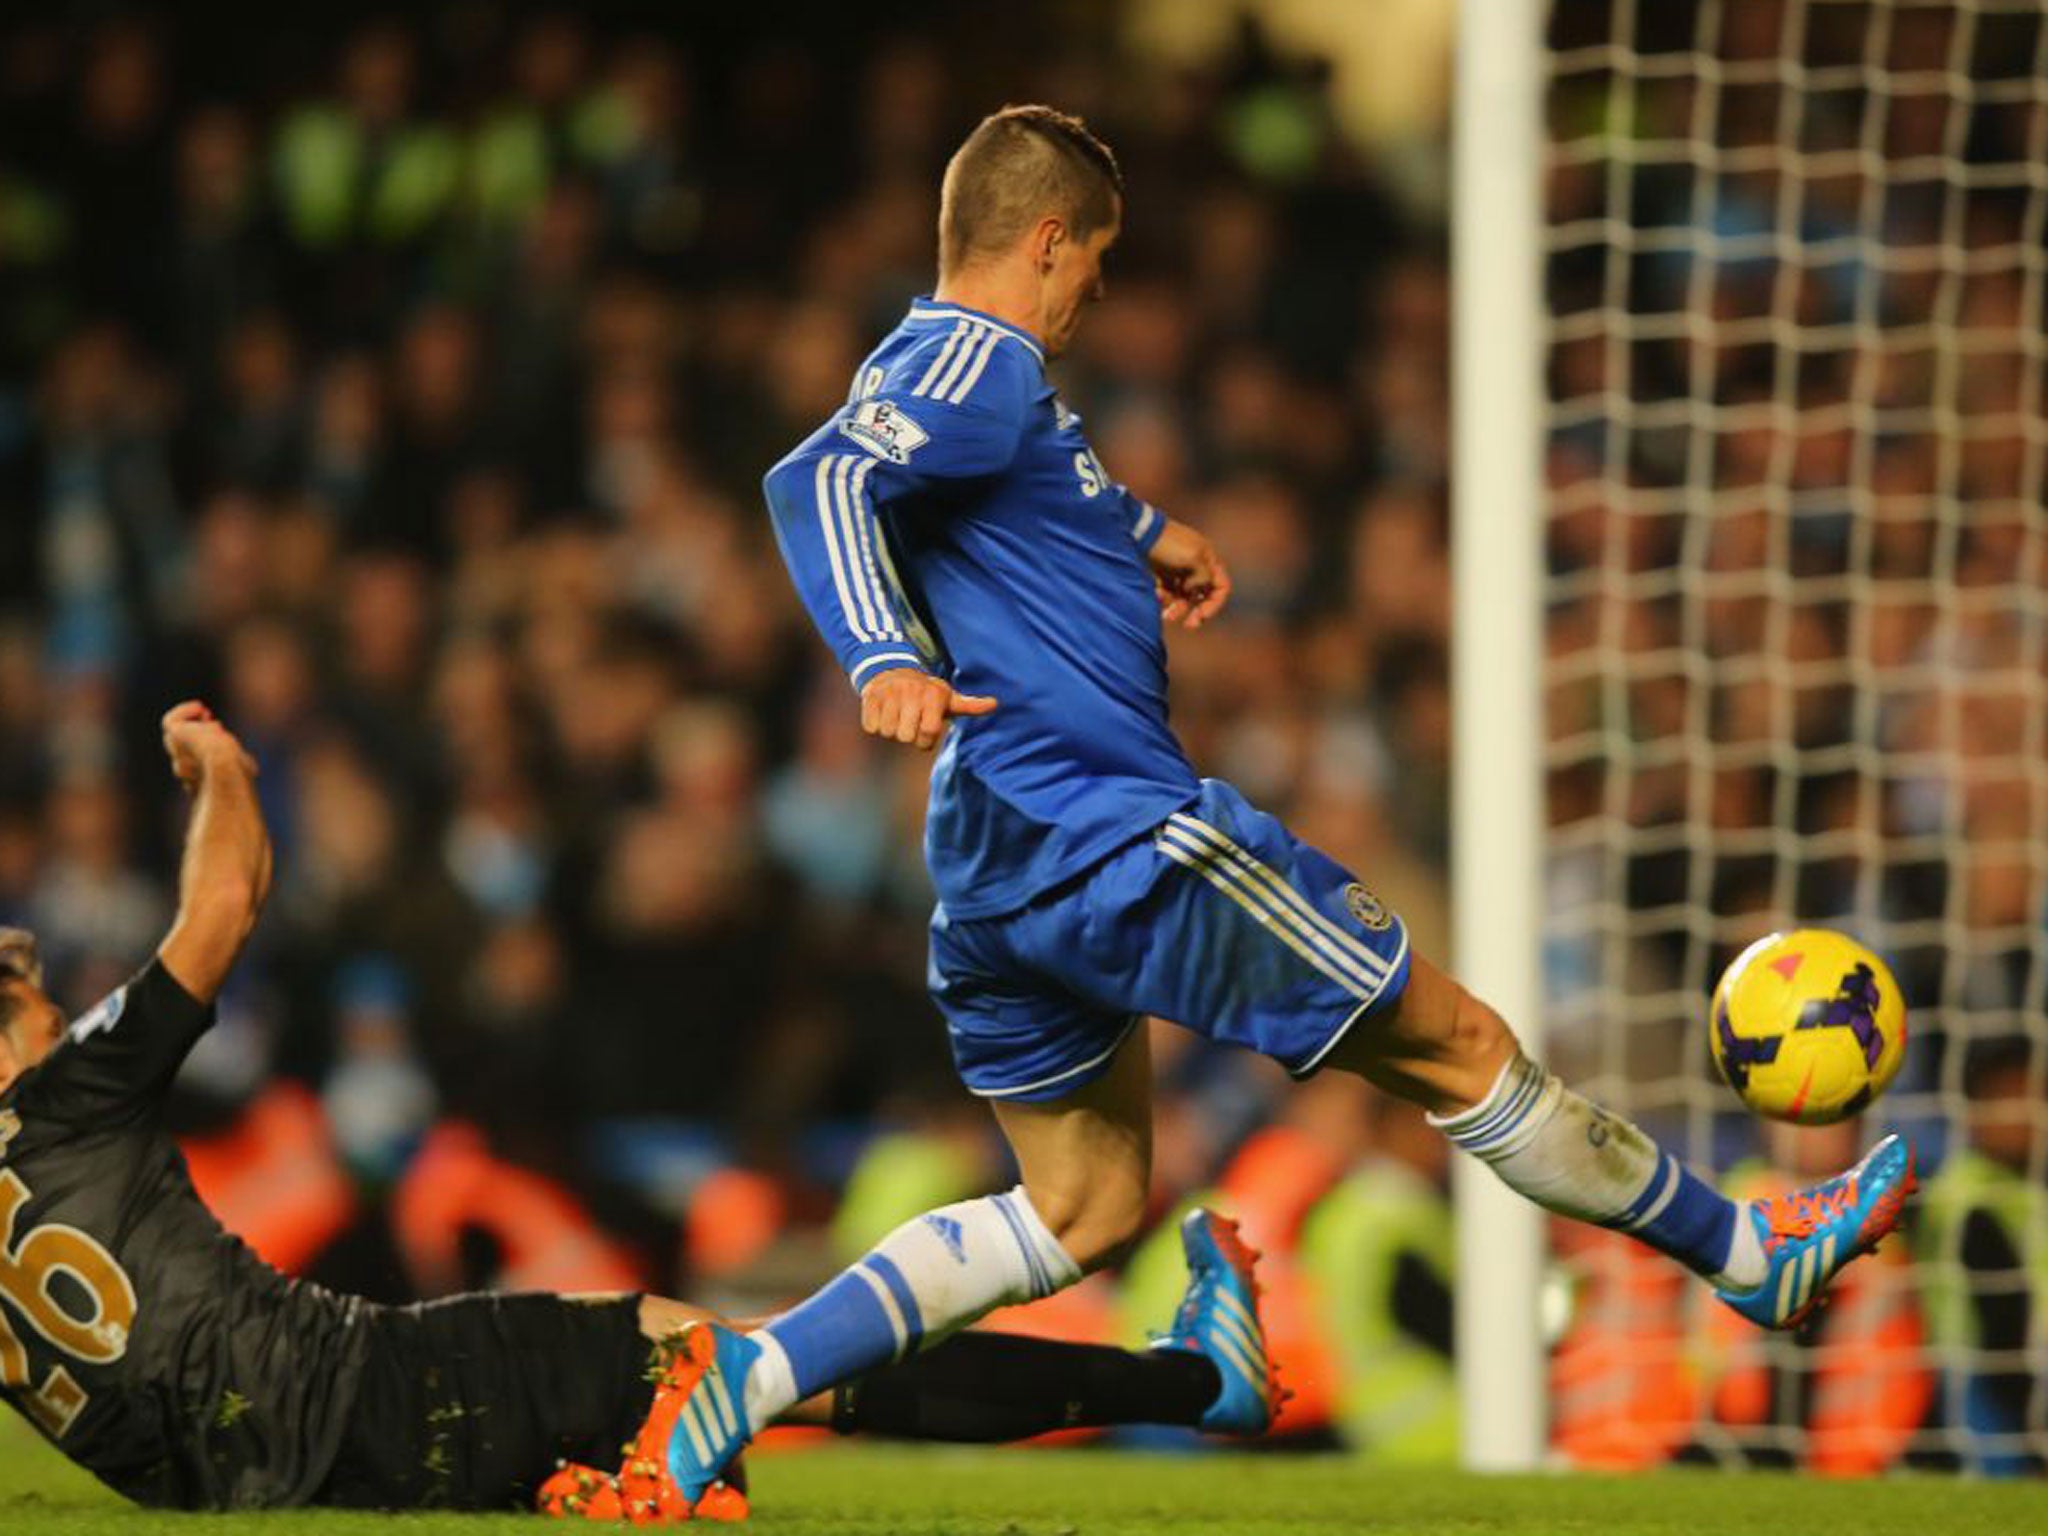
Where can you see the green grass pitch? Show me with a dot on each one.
(890, 1492)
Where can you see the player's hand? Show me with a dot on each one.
(906, 705)
(197, 744)
(1190, 576)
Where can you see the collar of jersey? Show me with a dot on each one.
(922, 308)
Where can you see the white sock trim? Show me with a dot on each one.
(771, 1383)
(1052, 1267)
(1516, 1108)
(1747, 1265)
(887, 1302)
(1462, 1119)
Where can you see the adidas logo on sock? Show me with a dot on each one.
(949, 1234)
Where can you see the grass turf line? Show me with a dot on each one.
(885, 1491)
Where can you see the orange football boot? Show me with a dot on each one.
(647, 1490)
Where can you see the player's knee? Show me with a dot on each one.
(1094, 1222)
(1438, 1020)
(1441, 1047)
(1477, 1037)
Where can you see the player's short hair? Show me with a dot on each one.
(18, 958)
(18, 963)
(1018, 166)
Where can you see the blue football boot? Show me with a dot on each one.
(1219, 1320)
(682, 1464)
(1810, 1235)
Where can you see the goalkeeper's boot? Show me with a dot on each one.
(1219, 1320)
(578, 1492)
(649, 1489)
(1810, 1235)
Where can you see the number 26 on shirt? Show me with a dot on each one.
(28, 1270)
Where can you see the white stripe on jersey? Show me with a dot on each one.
(943, 390)
(948, 311)
(864, 525)
(960, 393)
(906, 612)
(853, 518)
(885, 659)
(869, 627)
(945, 354)
(828, 525)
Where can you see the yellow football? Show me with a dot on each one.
(1808, 1026)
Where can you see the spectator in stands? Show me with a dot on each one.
(1982, 1237)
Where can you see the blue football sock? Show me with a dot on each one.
(1679, 1213)
(929, 1277)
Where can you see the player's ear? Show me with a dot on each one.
(10, 1064)
(1046, 240)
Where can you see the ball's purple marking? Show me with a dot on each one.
(1740, 1053)
(1854, 1008)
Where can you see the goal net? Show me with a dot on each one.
(1797, 674)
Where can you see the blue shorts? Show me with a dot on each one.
(1220, 920)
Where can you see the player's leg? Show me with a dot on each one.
(1085, 1161)
(1087, 1165)
(990, 1387)
(1442, 1048)
(987, 1388)
(1208, 1371)
(471, 1402)
(934, 1274)
(1320, 975)
(1069, 1074)
(1446, 1050)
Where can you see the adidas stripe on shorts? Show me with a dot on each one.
(1220, 920)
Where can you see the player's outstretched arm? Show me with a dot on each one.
(911, 706)
(225, 875)
(1193, 581)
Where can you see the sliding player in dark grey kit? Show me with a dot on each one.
(155, 1349)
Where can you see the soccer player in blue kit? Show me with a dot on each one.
(991, 591)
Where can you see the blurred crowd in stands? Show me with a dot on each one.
(402, 387)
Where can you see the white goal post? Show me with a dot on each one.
(1496, 679)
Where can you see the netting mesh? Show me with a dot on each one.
(1797, 670)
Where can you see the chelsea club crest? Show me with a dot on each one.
(1367, 908)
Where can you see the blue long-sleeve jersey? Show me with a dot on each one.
(951, 517)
